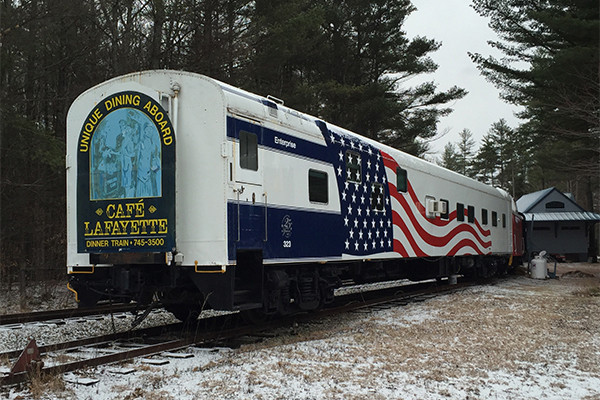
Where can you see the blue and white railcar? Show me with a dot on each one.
(206, 195)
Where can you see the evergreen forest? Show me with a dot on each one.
(346, 61)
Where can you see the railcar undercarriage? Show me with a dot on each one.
(266, 289)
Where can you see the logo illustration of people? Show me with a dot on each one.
(125, 157)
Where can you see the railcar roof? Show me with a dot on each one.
(408, 160)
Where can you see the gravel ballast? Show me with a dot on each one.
(517, 339)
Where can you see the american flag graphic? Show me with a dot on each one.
(365, 201)
(377, 218)
(420, 236)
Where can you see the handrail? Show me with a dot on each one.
(266, 220)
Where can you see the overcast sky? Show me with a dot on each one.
(460, 30)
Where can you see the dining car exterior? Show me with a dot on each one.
(201, 194)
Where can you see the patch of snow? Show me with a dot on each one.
(518, 339)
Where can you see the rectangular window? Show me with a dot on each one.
(317, 186)
(445, 214)
(494, 218)
(377, 197)
(504, 220)
(248, 150)
(471, 213)
(353, 166)
(484, 216)
(401, 180)
(460, 212)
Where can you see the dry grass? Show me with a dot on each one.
(513, 332)
(37, 296)
(140, 393)
(149, 388)
(588, 292)
(463, 337)
(43, 384)
(5, 362)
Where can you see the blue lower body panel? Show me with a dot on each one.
(286, 234)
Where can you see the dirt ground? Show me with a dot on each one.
(521, 338)
(517, 339)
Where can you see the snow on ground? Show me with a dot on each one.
(518, 339)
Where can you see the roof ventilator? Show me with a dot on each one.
(271, 103)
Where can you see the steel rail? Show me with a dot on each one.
(146, 350)
(214, 328)
(40, 316)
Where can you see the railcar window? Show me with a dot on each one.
(446, 214)
(484, 216)
(471, 213)
(353, 166)
(494, 218)
(317, 186)
(504, 220)
(401, 180)
(248, 150)
(460, 212)
(377, 195)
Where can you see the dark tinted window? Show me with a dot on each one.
(317, 186)
(484, 216)
(353, 170)
(377, 197)
(460, 212)
(445, 215)
(494, 218)
(248, 150)
(401, 180)
(471, 213)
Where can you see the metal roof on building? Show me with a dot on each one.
(562, 216)
(526, 202)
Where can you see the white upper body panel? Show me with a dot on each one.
(197, 111)
(208, 174)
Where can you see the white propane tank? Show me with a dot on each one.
(539, 266)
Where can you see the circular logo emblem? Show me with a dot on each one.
(286, 227)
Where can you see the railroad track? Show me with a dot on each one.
(219, 329)
(21, 318)
(128, 345)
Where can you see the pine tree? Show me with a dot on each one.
(346, 62)
(486, 162)
(367, 63)
(504, 159)
(551, 67)
(500, 133)
(450, 158)
(465, 152)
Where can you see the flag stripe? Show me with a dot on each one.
(416, 227)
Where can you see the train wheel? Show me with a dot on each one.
(184, 312)
(88, 298)
(185, 304)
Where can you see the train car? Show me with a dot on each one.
(188, 191)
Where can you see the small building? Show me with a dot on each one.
(556, 223)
